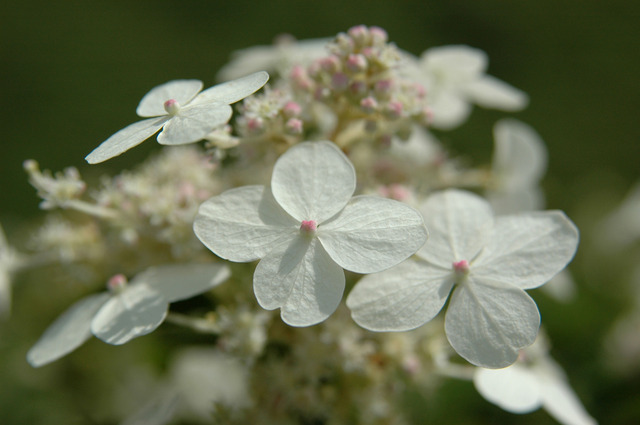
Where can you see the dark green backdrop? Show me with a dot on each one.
(74, 71)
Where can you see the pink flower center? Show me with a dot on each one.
(171, 106)
(117, 283)
(308, 226)
(461, 267)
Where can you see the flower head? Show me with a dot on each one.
(490, 262)
(183, 115)
(127, 310)
(306, 227)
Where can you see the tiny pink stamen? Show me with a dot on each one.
(308, 226)
(461, 267)
(117, 283)
(171, 106)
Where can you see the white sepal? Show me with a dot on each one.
(313, 181)
(400, 299)
(372, 234)
(68, 332)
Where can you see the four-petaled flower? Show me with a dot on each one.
(454, 77)
(306, 227)
(490, 261)
(534, 381)
(183, 115)
(127, 310)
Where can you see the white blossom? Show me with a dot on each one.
(183, 115)
(490, 262)
(534, 381)
(454, 77)
(306, 227)
(278, 57)
(519, 162)
(127, 311)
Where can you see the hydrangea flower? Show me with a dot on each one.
(534, 381)
(278, 57)
(455, 77)
(127, 310)
(183, 115)
(306, 228)
(488, 263)
(519, 162)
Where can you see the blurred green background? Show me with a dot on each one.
(74, 71)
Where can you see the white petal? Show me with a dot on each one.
(193, 123)
(136, 311)
(313, 181)
(152, 104)
(459, 223)
(158, 411)
(519, 157)
(449, 110)
(182, 281)
(401, 298)
(488, 322)
(68, 332)
(233, 91)
(490, 92)
(300, 278)
(516, 201)
(457, 63)
(515, 388)
(125, 139)
(372, 234)
(559, 399)
(528, 249)
(242, 224)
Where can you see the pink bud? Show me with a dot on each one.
(291, 109)
(255, 125)
(294, 126)
(308, 226)
(378, 36)
(368, 104)
(359, 34)
(461, 267)
(394, 109)
(357, 63)
(171, 106)
(330, 64)
(117, 283)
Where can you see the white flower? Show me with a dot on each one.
(127, 311)
(490, 261)
(183, 115)
(534, 381)
(306, 227)
(278, 57)
(519, 162)
(454, 77)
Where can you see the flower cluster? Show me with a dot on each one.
(328, 174)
